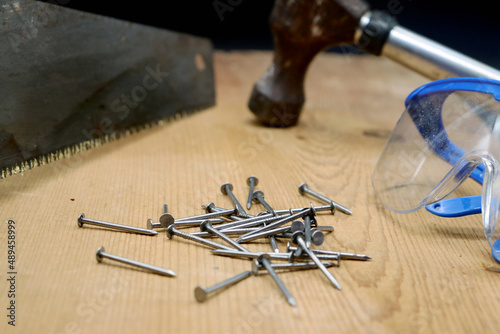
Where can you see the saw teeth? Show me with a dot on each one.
(20, 168)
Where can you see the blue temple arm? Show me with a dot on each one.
(456, 207)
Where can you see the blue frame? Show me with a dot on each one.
(439, 91)
(432, 132)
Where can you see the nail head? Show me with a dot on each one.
(224, 187)
(255, 180)
(166, 220)
(149, 224)
(98, 254)
(255, 267)
(80, 222)
(302, 187)
(317, 237)
(205, 225)
(209, 207)
(296, 235)
(297, 225)
(170, 231)
(200, 294)
(256, 194)
(262, 256)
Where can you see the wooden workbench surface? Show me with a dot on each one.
(427, 274)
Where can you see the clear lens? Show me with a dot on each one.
(436, 144)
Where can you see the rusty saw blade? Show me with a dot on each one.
(71, 80)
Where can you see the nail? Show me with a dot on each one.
(206, 226)
(297, 239)
(227, 189)
(329, 207)
(250, 222)
(251, 255)
(118, 227)
(283, 221)
(296, 226)
(210, 207)
(307, 230)
(258, 196)
(100, 254)
(252, 181)
(166, 220)
(321, 257)
(317, 237)
(264, 261)
(152, 225)
(290, 266)
(250, 236)
(171, 231)
(344, 256)
(197, 222)
(235, 231)
(201, 293)
(274, 244)
(303, 188)
(325, 228)
(210, 215)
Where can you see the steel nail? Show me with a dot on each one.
(250, 222)
(171, 231)
(152, 225)
(296, 225)
(227, 189)
(258, 196)
(251, 255)
(197, 222)
(100, 254)
(344, 256)
(117, 227)
(291, 266)
(264, 260)
(206, 226)
(252, 181)
(250, 236)
(201, 293)
(303, 188)
(283, 221)
(317, 237)
(274, 244)
(307, 230)
(330, 207)
(297, 239)
(205, 216)
(235, 231)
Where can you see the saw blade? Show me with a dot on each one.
(72, 80)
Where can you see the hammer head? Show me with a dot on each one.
(301, 29)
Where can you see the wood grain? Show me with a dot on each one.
(427, 274)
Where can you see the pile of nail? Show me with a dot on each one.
(236, 227)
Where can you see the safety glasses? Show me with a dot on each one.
(450, 131)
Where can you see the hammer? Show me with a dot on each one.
(303, 28)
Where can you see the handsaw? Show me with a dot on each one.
(72, 80)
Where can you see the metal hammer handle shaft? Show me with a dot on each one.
(379, 34)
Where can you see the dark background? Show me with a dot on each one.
(472, 28)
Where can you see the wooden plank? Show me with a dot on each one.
(427, 273)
